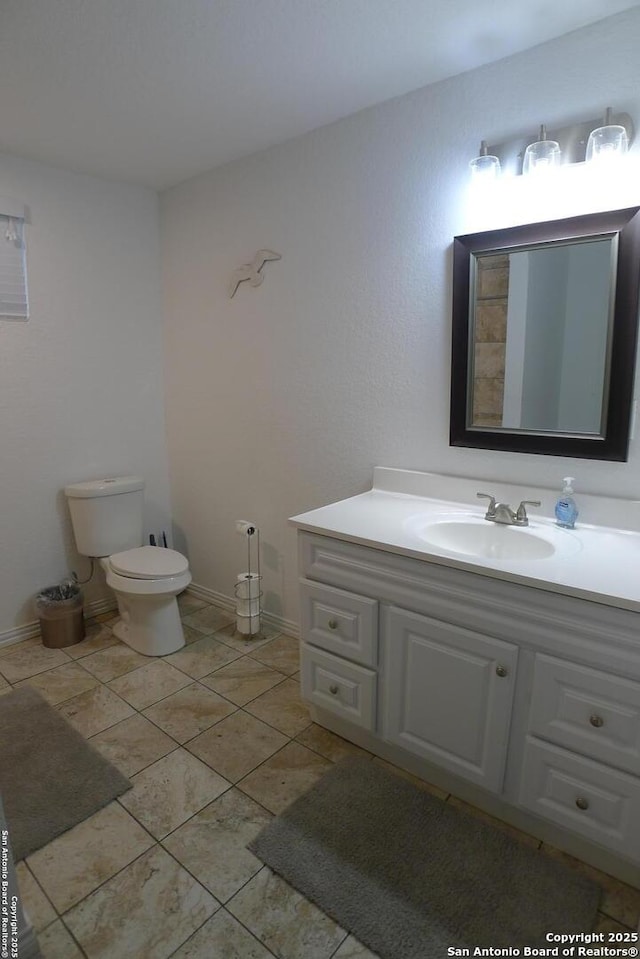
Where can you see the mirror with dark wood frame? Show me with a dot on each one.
(545, 321)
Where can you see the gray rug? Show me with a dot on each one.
(50, 777)
(410, 875)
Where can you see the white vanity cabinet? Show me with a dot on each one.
(521, 700)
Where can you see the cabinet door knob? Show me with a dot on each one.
(596, 720)
(582, 803)
(333, 689)
(502, 671)
(333, 624)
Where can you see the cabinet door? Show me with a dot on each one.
(448, 695)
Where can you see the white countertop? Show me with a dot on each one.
(595, 561)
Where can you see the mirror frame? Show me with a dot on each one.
(613, 445)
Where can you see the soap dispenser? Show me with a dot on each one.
(566, 509)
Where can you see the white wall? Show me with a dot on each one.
(81, 392)
(285, 397)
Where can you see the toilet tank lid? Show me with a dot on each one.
(149, 562)
(110, 486)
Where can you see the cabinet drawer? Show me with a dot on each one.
(341, 687)
(582, 795)
(340, 622)
(591, 712)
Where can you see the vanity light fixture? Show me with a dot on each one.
(542, 156)
(596, 141)
(484, 167)
(608, 142)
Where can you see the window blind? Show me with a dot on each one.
(14, 300)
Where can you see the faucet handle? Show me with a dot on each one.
(521, 513)
(491, 508)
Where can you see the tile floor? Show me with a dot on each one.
(216, 741)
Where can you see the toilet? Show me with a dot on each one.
(106, 516)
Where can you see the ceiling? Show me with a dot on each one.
(156, 91)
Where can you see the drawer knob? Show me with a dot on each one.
(582, 803)
(502, 671)
(596, 720)
(333, 624)
(333, 690)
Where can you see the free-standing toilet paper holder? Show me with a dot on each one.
(247, 587)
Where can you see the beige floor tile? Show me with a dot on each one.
(56, 943)
(212, 845)
(81, 859)
(284, 777)
(99, 636)
(190, 635)
(189, 712)
(148, 684)
(237, 745)
(222, 937)
(328, 744)
(145, 912)
(619, 901)
(95, 710)
(3, 683)
(114, 661)
(133, 744)
(287, 923)
(187, 603)
(439, 793)
(243, 680)
(230, 635)
(29, 661)
(202, 657)
(282, 708)
(282, 654)
(207, 620)
(34, 902)
(61, 683)
(170, 791)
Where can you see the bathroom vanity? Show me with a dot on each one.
(500, 663)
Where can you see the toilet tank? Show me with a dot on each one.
(106, 514)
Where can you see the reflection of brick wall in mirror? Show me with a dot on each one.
(490, 335)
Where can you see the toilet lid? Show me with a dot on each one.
(149, 562)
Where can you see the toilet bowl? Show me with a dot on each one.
(146, 581)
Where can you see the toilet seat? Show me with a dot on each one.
(149, 562)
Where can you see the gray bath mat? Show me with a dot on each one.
(50, 777)
(410, 875)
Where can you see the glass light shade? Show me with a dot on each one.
(541, 157)
(607, 143)
(485, 168)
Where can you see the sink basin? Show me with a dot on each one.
(491, 541)
(475, 536)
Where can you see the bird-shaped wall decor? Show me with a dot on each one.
(252, 271)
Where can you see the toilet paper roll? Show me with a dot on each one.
(248, 625)
(245, 528)
(248, 607)
(247, 586)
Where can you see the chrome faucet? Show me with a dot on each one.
(502, 512)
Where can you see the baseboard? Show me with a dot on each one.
(9, 637)
(228, 602)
